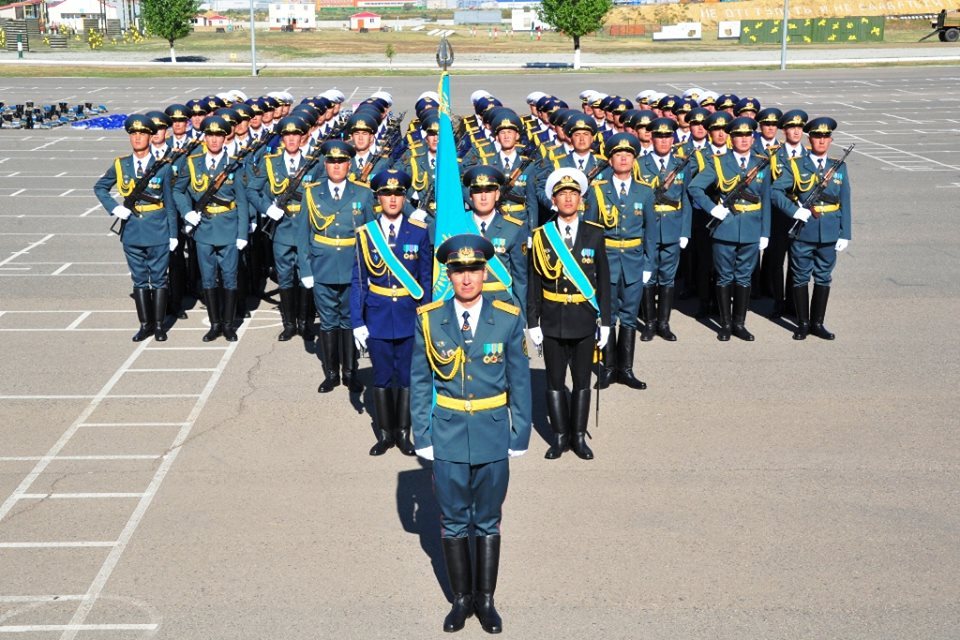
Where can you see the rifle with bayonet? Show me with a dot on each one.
(290, 193)
(136, 194)
(506, 192)
(211, 192)
(660, 193)
(739, 192)
(816, 193)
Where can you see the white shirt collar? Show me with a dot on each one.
(295, 157)
(386, 222)
(617, 182)
(574, 225)
(474, 312)
(342, 186)
(489, 220)
(741, 156)
(216, 158)
(717, 151)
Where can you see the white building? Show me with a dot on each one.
(365, 20)
(73, 12)
(295, 14)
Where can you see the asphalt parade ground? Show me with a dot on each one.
(774, 489)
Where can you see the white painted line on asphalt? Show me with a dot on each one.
(17, 192)
(61, 174)
(15, 173)
(27, 250)
(169, 370)
(62, 269)
(152, 396)
(14, 268)
(78, 496)
(83, 316)
(90, 210)
(25, 311)
(2, 312)
(58, 446)
(44, 146)
(850, 106)
(116, 552)
(79, 458)
(67, 192)
(52, 598)
(64, 275)
(50, 397)
(36, 628)
(133, 424)
(97, 90)
(99, 329)
(188, 348)
(81, 544)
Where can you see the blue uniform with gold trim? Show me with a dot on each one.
(508, 235)
(391, 318)
(674, 215)
(151, 225)
(470, 441)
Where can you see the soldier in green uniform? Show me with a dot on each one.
(471, 411)
(336, 208)
(149, 229)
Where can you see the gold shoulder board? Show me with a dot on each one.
(417, 223)
(516, 221)
(591, 222)
(504, 306)
(430, 306)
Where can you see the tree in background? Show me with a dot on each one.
(575, 18)
(169, 19)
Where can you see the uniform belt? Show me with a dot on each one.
(623, 244)
(826, 208)
(744, 208)
(665, 208)
(394, 292)
(215, 210)
(478, 404)
(564, 298)
(494, 286)
(146, 208)
(335, 242)
(292, 208)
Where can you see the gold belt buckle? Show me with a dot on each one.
(467, 406)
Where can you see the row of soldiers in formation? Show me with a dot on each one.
(699, 176)
(582, 219)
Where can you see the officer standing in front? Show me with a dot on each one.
(471, 410)
(221, 227)
(569, 308)
(149, 230)
(391, 278)
(336, 208)
(826, 225)
(743, 229)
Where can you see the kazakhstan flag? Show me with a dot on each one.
(452, 218)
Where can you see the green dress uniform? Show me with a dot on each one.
(334, 213)
(148, 233)
(471, 409)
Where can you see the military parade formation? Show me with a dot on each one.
(584, 226)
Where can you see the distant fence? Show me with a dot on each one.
(836, 30)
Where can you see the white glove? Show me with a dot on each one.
(802, 214)
(187, 229)
(192, 218)
(720, 212)
(173, 244)
(684, 242)
(536, 335)
(307, 282)
(360, 335)
(121, 212)
(842, 244)
(274, 212)
(426, 453)
(604, 337)
(515, 454)
(646, 276)
(419, 214)
(253, 226)
(241, 244)
(764, 242)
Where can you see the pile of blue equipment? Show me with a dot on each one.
(48, 116)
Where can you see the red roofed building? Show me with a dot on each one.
(365, 20)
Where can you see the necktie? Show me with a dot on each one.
(213, 164)
(466, 328)
(359, 163)
(336, 193)
(568, 237)
(392, 236)
(743, 163)
(506, 163)
(623, 189)
(483, 228)
(819, 165)
(580, 162)
(793, 154)
(433, 163)
(293, 166)
(158, 154)
(663, 165)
